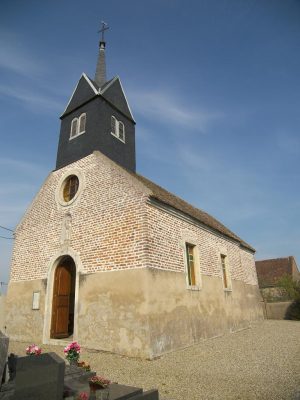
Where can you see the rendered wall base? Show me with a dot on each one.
(2, 312)
(139, 312)
(179, 317)
(22, 322)
(277, 310)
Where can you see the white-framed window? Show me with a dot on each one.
(82, 120)
(117, 129)
(78, 126)
(74, 127)
(225, 273)
(193, 276)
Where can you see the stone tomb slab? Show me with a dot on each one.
(122, 392)
(116, 392)
(149, 395)
(40, 377)
(4, 340)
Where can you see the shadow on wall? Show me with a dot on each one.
(293, 311)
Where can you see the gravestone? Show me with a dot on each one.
(40, 377)
(149, 395)
(76, 380)
(4, 340)
(123, 392)
(12, 366)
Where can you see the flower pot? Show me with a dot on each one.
(73, 363)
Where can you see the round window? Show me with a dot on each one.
(70, 187)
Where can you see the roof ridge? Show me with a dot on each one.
(277, 258)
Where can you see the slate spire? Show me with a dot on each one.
(100, 75)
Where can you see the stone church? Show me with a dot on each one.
(108, 258)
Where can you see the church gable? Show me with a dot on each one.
(84, 91)
(103, 212)
(114, 93)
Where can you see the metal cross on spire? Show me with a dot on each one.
(103, 29)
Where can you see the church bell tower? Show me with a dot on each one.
(97, 117)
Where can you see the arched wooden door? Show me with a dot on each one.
(63, 300)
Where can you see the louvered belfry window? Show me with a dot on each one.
(70, 187)
(190, 264)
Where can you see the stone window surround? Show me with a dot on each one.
(223, 252)
(191, 241)
(60, 187)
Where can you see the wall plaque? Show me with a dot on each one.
(36, 300)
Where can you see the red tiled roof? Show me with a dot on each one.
(270, 271)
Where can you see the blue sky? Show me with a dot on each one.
(214, 88)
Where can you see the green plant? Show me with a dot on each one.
(291, 286)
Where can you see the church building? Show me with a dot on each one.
(108, 258)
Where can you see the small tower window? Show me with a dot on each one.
(74, 125)
(82, 120)
(70, 187)
(121, 131)
(78, 126)
(117, 129)
(113, 125)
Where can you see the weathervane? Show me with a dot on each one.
(103, 29)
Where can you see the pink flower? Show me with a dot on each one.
(99, 380)
(33, 349)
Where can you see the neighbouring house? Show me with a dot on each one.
(277, 302)
(108, 258)
(271, 270)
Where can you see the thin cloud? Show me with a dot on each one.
(15, 58)
(21, 166)
(166, 108)
(19, 189)
(19, 61)
(193, 160)
(32, 100)
(288, 142)
(243, 199)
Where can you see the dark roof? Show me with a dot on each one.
(97, 87)
(87, 89)
(176, 202)
(107, 83)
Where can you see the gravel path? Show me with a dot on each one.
(258, 363)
